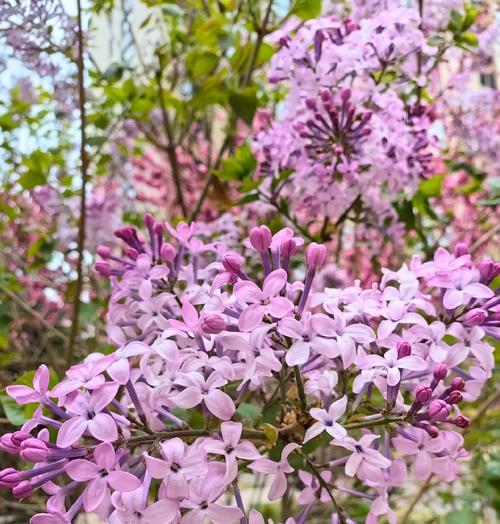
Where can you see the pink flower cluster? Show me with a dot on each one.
(375, 376)
(345, 133)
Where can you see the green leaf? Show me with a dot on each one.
(201, 63)
(432, 186)
(461, 516)
(31, 179)
(467, 39)
(13, 411)
(244, 103)
(238, 167)
(249, 413)
(306, 9)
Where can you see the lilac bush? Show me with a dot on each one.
(228, 362)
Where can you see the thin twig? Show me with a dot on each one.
(26, 307)
(84, 176)
(170, 148)
(423, 488)
(324, 485)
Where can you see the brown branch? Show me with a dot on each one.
(84, 176)
(170, 148)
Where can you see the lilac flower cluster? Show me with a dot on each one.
(346, 132)
(376, 377)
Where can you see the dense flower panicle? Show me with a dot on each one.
(195, 332)
(347, 137)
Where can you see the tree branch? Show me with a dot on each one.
(84, 176)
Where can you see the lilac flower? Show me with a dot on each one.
(88, 375)
(179, 464)
(462, 288)
(419, 443)
(277, 469)
(25, 395)
(327, 420)
(262, 302)
(232, 449)
(202, 503)
(131, 508)
(199, 390)
(87, 411)
(100, 475)
(392, 364)
(361, 452)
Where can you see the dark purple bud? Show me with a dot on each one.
(439, 410)
(457, 384)
(460, 421)
(132, 253)
(149, 220)
(103, 268)
(167, 252)
(260, 238)
(404, 349)
(315, 255)
(23, 490)
(440, 371)
(288, 248)
(433, 431)
(455, 397)
(34, 450)
(213, 324)
(9, 478)
(103, 251)
(461, 249)
(475, 317)
(159, 228)
(345, 95)
(423, 394)
(311, 103)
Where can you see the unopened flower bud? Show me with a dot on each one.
(475, 317)
(7, 445)
(311, 103)
(103, 251)
(288, 248)
(18, 437)
(213, 324)
(103, 268)
(260, 238)
(34, 450)
(9, 478)
(315, 255)
(432, 431)
(149, 220)
(345, 94)
(132, 253)
(159, 228)
(455, 397)
(423, 394)
(23, 490)
(488, 270)
(461, 249)
(440, 371)
(457, 384)
(232, 262)
(167, 252)
(460, 421)
(439, 410)
(404, 349)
